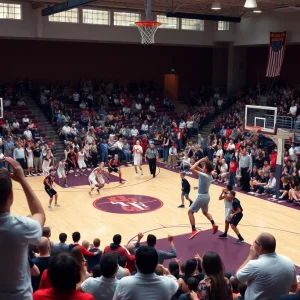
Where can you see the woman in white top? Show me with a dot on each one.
(29, 158)
(61, 172)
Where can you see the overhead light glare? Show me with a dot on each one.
(250, 4)
(216, 5)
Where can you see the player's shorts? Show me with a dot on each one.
(228, 211)
(201, 202)
(81, 164)
(185, 194)
(61, 173)
(236, 219)
(113, 169)
(137, 161)
(50, 192)
(101, 180)
(92, 182)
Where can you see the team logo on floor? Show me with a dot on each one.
(128, 204)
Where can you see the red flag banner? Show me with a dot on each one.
(276, 53)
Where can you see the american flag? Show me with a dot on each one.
(276, 53)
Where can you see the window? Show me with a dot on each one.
(191, 24)
(125, 19)
(10, 11)
(222, 25)
(93, 16)
(170, 23)
(69, 16)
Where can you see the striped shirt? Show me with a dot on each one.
(245, 161)
(151, 153)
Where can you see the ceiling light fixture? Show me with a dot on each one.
(257, 11)
(216, 5)
(250, 4)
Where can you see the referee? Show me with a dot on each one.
(245, 165)
(152, 155)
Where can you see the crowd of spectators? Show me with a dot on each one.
(81, 270)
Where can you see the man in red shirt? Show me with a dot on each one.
(76, 239)
(116, 247)
(64, 274)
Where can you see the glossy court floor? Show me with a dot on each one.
(149, 205)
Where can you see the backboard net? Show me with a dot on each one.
(261, 119)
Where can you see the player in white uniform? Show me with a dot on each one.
(61, 171)
(46, 166)
(228, 209)
(80, 160)
(137, 158)
(97, 178)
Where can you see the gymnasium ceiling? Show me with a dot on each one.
(234, 8)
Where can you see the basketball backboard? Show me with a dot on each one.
(261, 119)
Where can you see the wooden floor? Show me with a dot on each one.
(77, 212)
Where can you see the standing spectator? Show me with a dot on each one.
(103, 287)
(104, 151)
(42, 261)
(293, 152)
(245, 166)
(233, 166)
(173, 156)
(16, 234)
(146, 284)
(267, 273)
(126, 151)
(162, 255)
(61, 246)
(64, 274)
(166, 147)
(94, 260)
(19, 155)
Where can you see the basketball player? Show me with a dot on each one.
(228, 210)
(71, 161)
(61, 172)
(49, 184)
(46, 166)
(235, 217)
(80, 161)
(137, 158)
(114, 166)
(202, 201)
(97, 178)
(185, 190)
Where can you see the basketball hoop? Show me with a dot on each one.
(254, 129)
(147, 30)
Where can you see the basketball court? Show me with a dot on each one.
(149, 205)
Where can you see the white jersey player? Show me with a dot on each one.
(81, 160)
(61, 171)
(97, 178)
(137, 158)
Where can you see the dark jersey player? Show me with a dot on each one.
(114, 166)
(235, 217)
(49, 184)
(185, 190)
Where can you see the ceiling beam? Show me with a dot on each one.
(51, 10)
(203, 17)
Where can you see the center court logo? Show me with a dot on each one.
(128, 204)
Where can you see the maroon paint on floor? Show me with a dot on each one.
(233, 255)
(237, 189)
(128, 204)
(72, 180)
